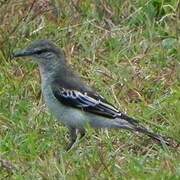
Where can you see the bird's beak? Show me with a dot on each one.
(22, 53)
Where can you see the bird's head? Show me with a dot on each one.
(42, 51)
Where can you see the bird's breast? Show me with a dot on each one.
(67, 115)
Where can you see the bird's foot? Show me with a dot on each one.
(73, 137)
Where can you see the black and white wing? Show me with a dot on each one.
(86, 101)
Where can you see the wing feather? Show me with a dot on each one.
(87, 102)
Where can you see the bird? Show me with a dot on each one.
(75, 104)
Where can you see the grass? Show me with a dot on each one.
(128, 51)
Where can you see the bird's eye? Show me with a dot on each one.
(40, 51)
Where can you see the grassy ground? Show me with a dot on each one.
(128, 51)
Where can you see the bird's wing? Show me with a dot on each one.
(86, 101)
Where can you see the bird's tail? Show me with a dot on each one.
(134, 126)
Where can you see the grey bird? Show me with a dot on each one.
(74, 103)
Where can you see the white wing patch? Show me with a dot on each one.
(89, 103)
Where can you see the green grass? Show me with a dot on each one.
(128, 51)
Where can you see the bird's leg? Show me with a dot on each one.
(82, 132)
(73, 137)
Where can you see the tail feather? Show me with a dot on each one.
(152, 135)
(136, 127)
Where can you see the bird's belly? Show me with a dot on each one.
(66, 115)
